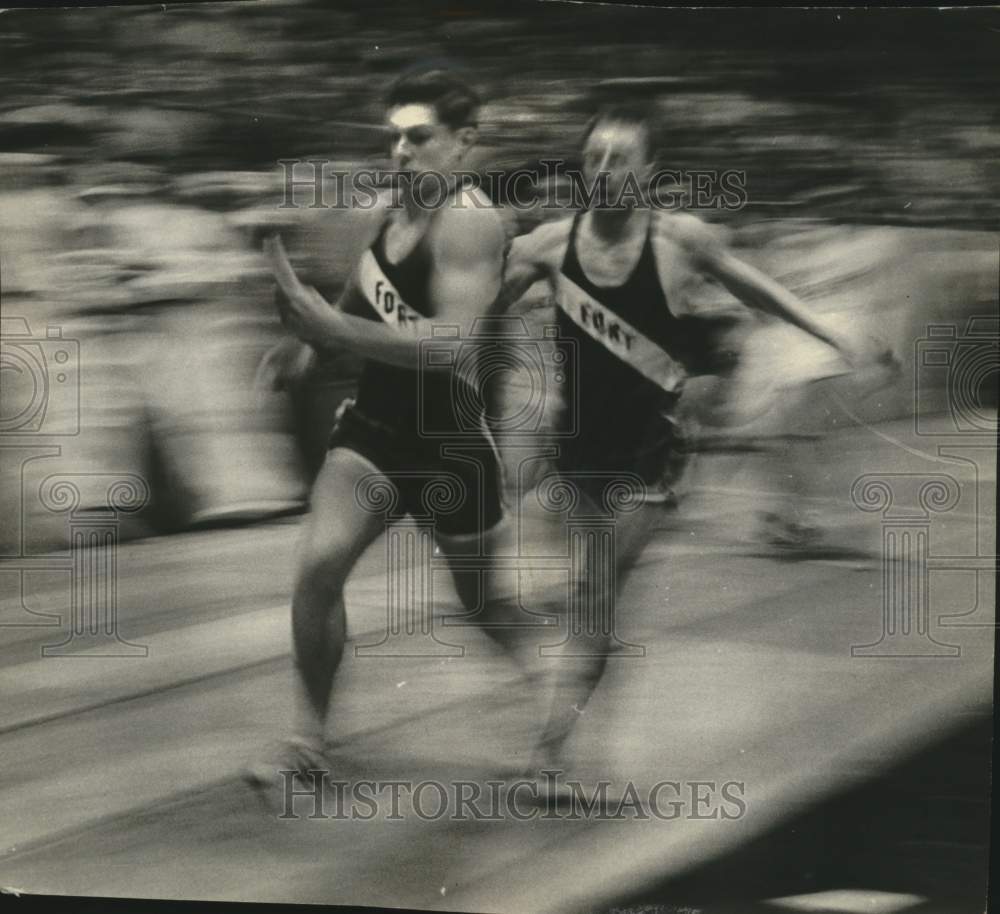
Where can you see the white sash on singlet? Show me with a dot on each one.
(384, 297)
(618, 336)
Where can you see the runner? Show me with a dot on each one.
(430, 263)
(618, 274)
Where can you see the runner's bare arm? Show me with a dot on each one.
(309, 316)
(530, 259)
(750, 285)
(468, 261)
(292, 359)
(757, 289)
(521, 271)
(464, 283)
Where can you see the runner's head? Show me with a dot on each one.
(618, 143)
(432, 115)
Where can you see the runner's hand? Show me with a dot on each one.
(285, 365)
(304, 311)
(873, 361)
(866, 353)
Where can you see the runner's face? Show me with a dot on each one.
(616, 150)
(420, 142)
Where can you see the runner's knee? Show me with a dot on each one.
(325, 566)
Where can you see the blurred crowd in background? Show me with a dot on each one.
(138, 151)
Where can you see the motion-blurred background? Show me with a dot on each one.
(138, 151)
(138, 171)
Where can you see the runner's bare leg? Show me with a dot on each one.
(338, 530)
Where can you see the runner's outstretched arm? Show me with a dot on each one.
(756, 289)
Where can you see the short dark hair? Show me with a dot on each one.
(454, 101)
(630, 114)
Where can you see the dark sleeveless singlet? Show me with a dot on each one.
(391, 395)
(617, 402)
(405, 422)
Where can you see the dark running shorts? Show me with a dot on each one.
(452, 483)
(657, 457)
